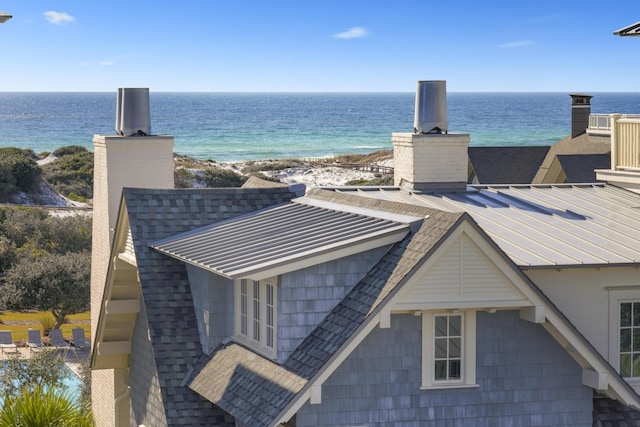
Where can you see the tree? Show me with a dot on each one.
(34, 394)
(58, 283)
(32, 232)
(21, 374)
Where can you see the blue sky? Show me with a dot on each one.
(323, 45)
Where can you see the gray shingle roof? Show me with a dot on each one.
(581, 167)
(331, 334)
(245, 384)
(506, 165)
(153, 215)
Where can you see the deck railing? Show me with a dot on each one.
(602, 122)
(625, 142)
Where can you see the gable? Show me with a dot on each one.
(463, 275)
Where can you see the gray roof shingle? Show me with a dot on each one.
(237, 384)
(506, 165)
(155, 214)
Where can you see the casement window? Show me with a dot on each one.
(255, 322)
(629, 336)
(448, 349)
(624, 332)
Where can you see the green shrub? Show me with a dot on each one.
(44, 407)
(47, 321)
(270, 166)
(72, 172)
(385, 180)
(21, 164)
(183, 178)
(70, 149)
(214, 177)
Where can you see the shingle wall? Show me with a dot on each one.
(306, 296)
(525, 379)
(213, 303)
(146, 402)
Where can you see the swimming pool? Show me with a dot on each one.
(71, 382)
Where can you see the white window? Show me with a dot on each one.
(256, 314)
(629, 332)
(624, 332)
(448, 349)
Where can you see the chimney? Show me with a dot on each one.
(131, 158)
(430, 158)
(580, 110)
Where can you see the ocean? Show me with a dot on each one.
(228, 127)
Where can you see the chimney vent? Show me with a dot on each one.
(431, 107)
(133, 117)
(580, 111)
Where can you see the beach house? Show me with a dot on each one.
(427, 303)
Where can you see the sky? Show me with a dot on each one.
(319, 45)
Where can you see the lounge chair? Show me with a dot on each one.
(34, 340)
(78, 339)
(55, 335)
(6, 342)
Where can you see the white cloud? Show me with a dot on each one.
(520, 43)
(58, 18)
(353, 33)
(107, 63)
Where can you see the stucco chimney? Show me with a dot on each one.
(430, 158)
(122, 160)
(580, 111)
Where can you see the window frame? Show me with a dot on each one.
(255, 319)
(616, 298)
(467, 355)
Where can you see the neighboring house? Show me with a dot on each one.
(428, 303)
(570, 160)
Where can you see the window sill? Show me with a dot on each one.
(448, 386)
(255, 347)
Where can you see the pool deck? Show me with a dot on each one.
(70, 358)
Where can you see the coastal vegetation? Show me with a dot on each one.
(71, 174)
(19, 171)
(45, 261)
(34, 394)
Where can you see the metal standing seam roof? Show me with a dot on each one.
(546, 225)
(281, 235)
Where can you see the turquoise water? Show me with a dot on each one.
(71, 383)
(243, 126)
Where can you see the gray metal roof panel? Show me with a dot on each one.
(546, 225)
(277, 236)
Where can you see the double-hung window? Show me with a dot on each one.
(448, 349)
(256, 314)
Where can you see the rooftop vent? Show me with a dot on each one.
(431, 107)
(133, 117)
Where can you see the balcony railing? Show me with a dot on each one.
(625, 142)
(601, 123)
